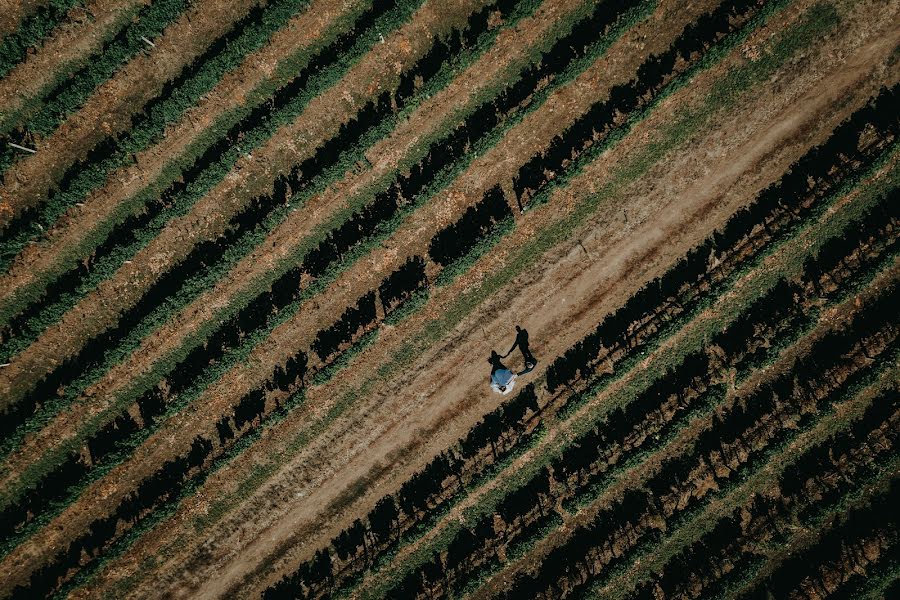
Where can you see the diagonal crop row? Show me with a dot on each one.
(85, 28)
(70, 93)
(103, 155)
(857, 480)
(230, 101)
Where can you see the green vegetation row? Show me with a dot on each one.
(837, 498)
(72, 89)
(179, 94)
(31, 32)
(195, 80)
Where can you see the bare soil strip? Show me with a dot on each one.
(428, 118)
(72, 41)
(381, 412)
(73, 238)
(110, 108)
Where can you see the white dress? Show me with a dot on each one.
(503, 381)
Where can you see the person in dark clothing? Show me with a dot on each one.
(522, 343)
(496, 365)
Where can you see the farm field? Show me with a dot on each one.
(254, 257)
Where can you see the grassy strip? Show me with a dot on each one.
(148, 131)
(70, 94)
(32, 31)
(639, 383)
(739, 492)
(37, 470)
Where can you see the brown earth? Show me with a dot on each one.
(80, 223)
(109, 109)
(350, 475)
(290, 232)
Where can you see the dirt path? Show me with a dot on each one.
(75, 38)
(111, 106)
(61, 248)
(426, 414)
(156, 347)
